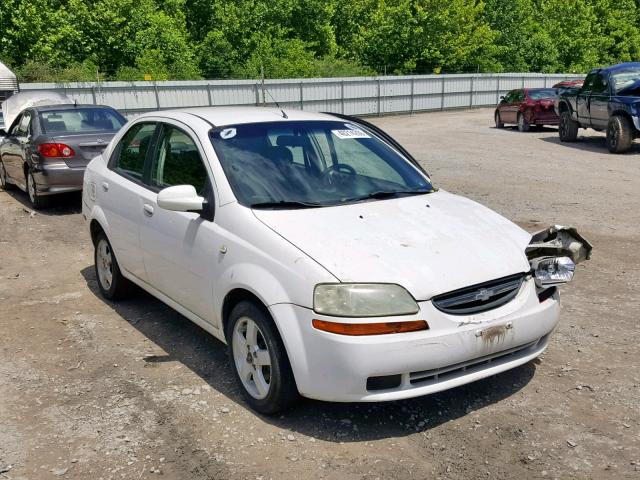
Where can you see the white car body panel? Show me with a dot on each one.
(450, 244)
(279, 256)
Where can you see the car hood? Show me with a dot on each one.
(429, 244)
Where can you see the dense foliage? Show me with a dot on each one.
(64, 40)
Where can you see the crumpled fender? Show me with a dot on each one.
(559, 240)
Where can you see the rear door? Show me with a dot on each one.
(122, 192)
(179, 248)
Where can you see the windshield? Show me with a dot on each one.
(81, 120)
(302, 164)
(543, 93)
(625, 80)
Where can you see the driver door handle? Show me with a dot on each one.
(148, 209)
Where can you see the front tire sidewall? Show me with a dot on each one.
(498, 120)
(619, 134)
(282, 389)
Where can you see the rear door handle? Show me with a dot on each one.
(148, 210)
(105, 186)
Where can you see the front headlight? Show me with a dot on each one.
(551, 271)
(363, 300)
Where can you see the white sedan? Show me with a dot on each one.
(318, 249)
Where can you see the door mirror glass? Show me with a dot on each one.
(181, 198)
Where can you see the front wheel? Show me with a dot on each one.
(259, 360)
(498, 119)
(619, 134)
(568, 128)
(523, 124)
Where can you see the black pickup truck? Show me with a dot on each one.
(609, 100)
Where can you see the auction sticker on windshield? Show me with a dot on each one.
(355, 133)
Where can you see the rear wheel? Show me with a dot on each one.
(3, 178)
(568, 128)
(113, 286)
(619, 134)
(523, 124)
(259, 360)
(499, 123)
(37, 200)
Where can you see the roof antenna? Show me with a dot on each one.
(284, 115)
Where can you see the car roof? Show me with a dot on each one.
(220, 116)
(67, 106)
(618, 68)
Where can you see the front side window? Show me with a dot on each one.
(81, 120)
(24, 125)
(131, 152)
(177, 161)
(599, 85)
(312, 163)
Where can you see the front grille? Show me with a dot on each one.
(479, 298)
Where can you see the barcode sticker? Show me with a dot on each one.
(350, 134)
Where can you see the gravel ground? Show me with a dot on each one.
(95, 390)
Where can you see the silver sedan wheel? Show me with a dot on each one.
(251, 357)
(104, 263)
(3, 176)
(31, 188)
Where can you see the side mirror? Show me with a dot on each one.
(181, 198)
(501, 97)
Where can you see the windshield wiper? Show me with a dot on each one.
(285, 205)
(382, 194)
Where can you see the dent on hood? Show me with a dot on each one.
(558, 240)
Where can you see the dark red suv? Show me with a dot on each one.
(527, 106)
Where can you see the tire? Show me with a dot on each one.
(112, 285)
(259, 360)
(523, 125)
(499, 123)
(619, 134)
(37, 200)
(4, 184)
(568, 128)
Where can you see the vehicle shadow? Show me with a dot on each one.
(61, 204)
(206, 356)
(534, 129)
(590, 144)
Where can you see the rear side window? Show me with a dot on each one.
(177, 161)
(81, 120)
(132, 150)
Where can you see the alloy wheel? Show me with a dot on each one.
(3, 176)
(251, 357)
(31, 188)
(104, 262)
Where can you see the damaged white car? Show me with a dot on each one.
(318, 249)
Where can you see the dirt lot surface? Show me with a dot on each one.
(95, 390)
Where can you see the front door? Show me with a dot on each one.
(583, 99)
(14, 149)
(599, 104)
(180, 247)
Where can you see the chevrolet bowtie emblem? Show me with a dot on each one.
(484, 294)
